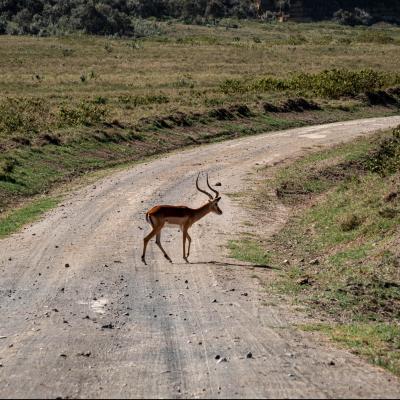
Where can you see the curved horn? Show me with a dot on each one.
(216, 193)
(200, 190)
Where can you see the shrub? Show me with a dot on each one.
(350, 222)
(24, 115)
(296, 40)
(183, 82)
(6, 168)
(232, 86)
(3, 25)
(100, 100)
(144, 100)
(356, 17)
(338, 83)
(333, 84)
(385, 159)
(85, 113)
(144, 28)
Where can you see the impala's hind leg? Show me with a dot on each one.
(154, 232)
(145, 242)
(158, 241)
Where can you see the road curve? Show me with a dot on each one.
(81, 316)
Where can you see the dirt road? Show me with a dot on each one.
(81, 316)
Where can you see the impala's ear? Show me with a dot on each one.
(218, 198)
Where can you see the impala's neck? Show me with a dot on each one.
(202, 211)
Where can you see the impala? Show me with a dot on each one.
(182, 216)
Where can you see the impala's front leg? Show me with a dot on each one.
(184, 231)
(190, 242)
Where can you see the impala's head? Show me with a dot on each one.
(215, 207)
(213, 200)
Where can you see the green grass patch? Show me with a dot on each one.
(15, 220)
(347, 256)
(249, 250)
(377, 342)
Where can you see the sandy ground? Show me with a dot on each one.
(109, 326)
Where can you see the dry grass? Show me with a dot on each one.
(186, 64)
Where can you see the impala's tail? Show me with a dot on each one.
(149, 220)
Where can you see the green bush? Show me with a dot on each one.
(296, 40)
(6, 168)
(350, 222)
(232, 86)
(144, 100)
(338, 83)
(332, 84)
(268, 83)
(85, 113)
(385, 158)
(144, 28)
(23, 115)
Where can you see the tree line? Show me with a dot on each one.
(121, 17)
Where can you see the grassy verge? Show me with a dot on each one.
(35, 168)
(379, 343)
(15, 220)
(340, 249)
(248, 250)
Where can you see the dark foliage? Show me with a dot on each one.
(388, 10)
(385, 158)
(108, 17)
(120, 17)
(354, 17)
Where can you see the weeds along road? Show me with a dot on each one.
(81, 316)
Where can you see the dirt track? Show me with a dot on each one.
(168, 321)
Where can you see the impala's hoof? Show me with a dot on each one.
(144, 261)
(185, 258)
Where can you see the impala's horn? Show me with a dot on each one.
(200, 190)
(216, 193)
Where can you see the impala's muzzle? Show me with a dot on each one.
(217, 210)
